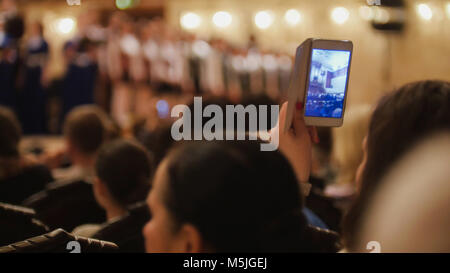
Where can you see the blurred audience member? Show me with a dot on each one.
(123, 169)
(410, 211)
(19, 176)
(70, 201)
(228, 196)
(86, 128)
(400, 120)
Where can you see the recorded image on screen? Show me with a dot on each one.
(327, 83)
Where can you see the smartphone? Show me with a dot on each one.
(320, 81)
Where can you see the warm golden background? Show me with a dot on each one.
(381, 60)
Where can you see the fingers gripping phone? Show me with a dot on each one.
(320, 81)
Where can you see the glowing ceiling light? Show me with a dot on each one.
(65, 25)
(222, 19)
(292, 17)
(263, 19)
(340, 15)
(424, 11)
(124, 4)
(366, 13)
(190, 20)
(447, 8)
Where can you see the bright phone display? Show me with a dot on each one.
(327, 83)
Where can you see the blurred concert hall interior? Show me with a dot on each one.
(89, 161)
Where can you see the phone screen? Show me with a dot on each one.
(327, 83)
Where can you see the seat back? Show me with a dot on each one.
(30, 180)
(59, 241)
(18, 223)
(126, 231)
(67, 205)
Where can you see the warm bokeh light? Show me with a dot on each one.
(366, 13)
(263, 19)
(447, 8)
(190, 20)
(124, 4)
(340, 15)
(163, 108)
(222, 19)
(292, 17)
(424, 11)
(65, 25)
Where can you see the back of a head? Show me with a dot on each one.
(400, 120)
(87, 127)
(347, 142)
(239, 198)
(158, 142)
(418, 189)
(125, 167)
(10, 133)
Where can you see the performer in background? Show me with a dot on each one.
(8, 62)
(81, 75)
(32, 98)
(214, 73)
(11, 30)
(131, 86)
(124, 51)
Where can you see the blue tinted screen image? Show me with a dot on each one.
(327, 83)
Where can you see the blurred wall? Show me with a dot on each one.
(422, 51)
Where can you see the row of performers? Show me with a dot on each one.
(108, 71)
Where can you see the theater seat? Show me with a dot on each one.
(57, 241)
(126, 231)
(66, 205)
(18, 223)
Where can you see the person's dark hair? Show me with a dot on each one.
(239, 198)
(158, 142)
(88, 127)
(15, 27)
(400, 120)
(10, 133)
(126, 168)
